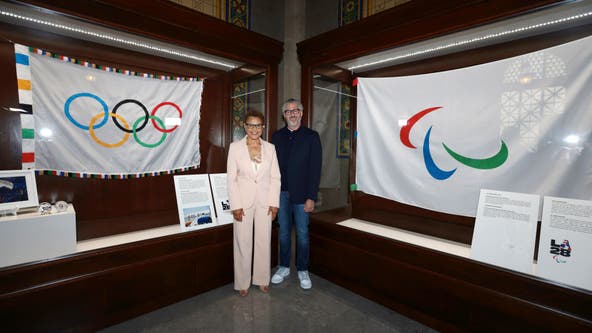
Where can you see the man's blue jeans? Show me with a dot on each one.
(291, 213)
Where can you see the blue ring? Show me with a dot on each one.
(97, 98)
(430, 165)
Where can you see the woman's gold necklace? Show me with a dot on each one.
(255, 156)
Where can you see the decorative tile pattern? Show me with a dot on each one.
(238, 12)
(239, 108)
(344, 128)
(377, 6)
(213, 8)
(349, 11)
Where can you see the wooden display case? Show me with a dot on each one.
(95, 288)
(445, 291)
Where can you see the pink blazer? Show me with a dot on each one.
(247, 186)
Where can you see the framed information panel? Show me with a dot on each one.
(194, 202)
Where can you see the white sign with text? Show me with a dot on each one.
(194, 202)
(565, 246)
(505, 229)
(220, 192)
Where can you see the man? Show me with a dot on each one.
(299, 155)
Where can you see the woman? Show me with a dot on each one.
(254, 191)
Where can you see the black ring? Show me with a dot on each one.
(147, 115)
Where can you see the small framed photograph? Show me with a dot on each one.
(18, 189)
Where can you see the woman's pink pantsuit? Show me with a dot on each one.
(254, 188)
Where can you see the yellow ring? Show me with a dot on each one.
(91, 129)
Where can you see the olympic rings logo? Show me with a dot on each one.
(434, 170)
(120, 122)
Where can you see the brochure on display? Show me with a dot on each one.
(505, 234)
(505, 229)
(565, 244)
(194, 202)
(220, 194)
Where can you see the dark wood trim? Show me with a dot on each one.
(88, 291)
(170, 22)
(446, 292)
(407, 23)
(271, 98)
(334, 72)
(91, 290)
(452, 227)
(244, 72)
(484, 54)
(102, 54)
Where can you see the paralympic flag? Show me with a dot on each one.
(92, 120)
(522, 124)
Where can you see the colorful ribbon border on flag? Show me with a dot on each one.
(87, 175)
(110, 69)
(28, 124)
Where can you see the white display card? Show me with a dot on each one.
(221, 201)
(194, 202)
(505, 229)
(565, 245)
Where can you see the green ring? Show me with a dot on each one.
(148, 145)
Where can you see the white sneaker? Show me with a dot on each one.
(305, 282)
(279, 276)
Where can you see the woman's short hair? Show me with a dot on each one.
(255, 114)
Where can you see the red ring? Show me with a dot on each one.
(157, 107)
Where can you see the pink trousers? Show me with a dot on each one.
(246, 246)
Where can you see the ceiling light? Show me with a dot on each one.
(537, 22)
(107, 36)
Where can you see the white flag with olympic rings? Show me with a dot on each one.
(92, 121)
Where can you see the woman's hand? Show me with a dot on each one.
(238, 214)
(273, 211)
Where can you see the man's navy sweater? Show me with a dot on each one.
(300, 158)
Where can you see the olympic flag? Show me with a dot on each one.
(522, 124)
(90, 120)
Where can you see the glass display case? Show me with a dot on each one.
(399, 253)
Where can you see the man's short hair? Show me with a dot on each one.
(292, 101)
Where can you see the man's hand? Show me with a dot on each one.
(309, 205)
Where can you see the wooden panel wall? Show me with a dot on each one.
(92, 290)
(446, 292)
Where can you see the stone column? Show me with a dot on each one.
(294, 32)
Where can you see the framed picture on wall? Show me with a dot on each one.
(18, 189)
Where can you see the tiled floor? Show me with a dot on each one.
(286, 308)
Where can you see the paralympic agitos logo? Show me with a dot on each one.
(436, 172)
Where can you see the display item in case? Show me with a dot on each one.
(61, 206)
(9, 211)
(45, 208)
(17, 190)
